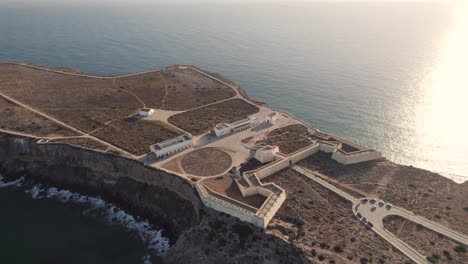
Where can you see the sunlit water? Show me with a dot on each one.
(391, 76)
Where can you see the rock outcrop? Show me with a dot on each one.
(197, 234)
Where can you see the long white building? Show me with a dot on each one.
(225, 128)
(172, 146)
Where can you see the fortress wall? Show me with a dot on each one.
(347, 159)
(277, 166)
(327, 148)
(295, 157)
(271, 213)
(298, 156)
(253, 190)
(225, 208)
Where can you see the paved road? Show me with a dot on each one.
(325, 184)
(376, 218)
(66, 125)
(380, 211)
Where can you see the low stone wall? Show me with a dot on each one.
(358, 157)
(276, 166)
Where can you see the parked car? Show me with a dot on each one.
(364, 201)
(370, 225)
(373, 209)
(389, 206)
(381, 204)
(372, 201)
(359, 215)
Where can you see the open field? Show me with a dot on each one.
(88, 120)
(225, 185)
(75, 100)
(47, 90)
(322, 224)
(437, 248)
(18, 119)
(149, 87)
(289, 139)
(189, 89)
(425, 193)
(86, 102)
(203, 119)
(134, 135)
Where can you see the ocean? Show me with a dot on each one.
(391, 76)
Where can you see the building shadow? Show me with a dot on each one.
(261, 127)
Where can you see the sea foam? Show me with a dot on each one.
(152, 238)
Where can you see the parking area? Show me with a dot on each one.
(371, 211)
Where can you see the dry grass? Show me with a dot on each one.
(89, 120)
(135, 135)
(203, 119)
(322, 224)
(84, 102)
(425, 193)
(189, 89)
(149, 87)
(21, 120)
(438, 248)
(289, 139)
(48, 90)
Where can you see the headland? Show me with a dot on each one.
(229, 178)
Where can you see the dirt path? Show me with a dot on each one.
(65, 125)
(167, 92)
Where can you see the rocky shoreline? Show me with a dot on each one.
(197, 234)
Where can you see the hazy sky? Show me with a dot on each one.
(201, 1)
(88, 3)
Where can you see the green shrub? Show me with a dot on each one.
(460, 249)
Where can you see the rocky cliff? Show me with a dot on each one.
(198, 234)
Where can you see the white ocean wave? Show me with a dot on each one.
(8, 184)
(151, 237)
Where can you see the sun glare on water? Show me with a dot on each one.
(442, 112)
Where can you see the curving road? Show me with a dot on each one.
(373, 213)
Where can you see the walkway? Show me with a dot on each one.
(66, 125)
(373, 213)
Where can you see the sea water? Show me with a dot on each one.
(391, 76)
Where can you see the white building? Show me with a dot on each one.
(146, 112)
(225, 128)
(266, 154)
(271, 118)
(172, 146)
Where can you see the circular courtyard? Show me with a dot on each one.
(206, 162)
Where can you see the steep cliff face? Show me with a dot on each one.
(165, 199)
(198, 234)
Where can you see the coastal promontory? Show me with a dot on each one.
(228, 179)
